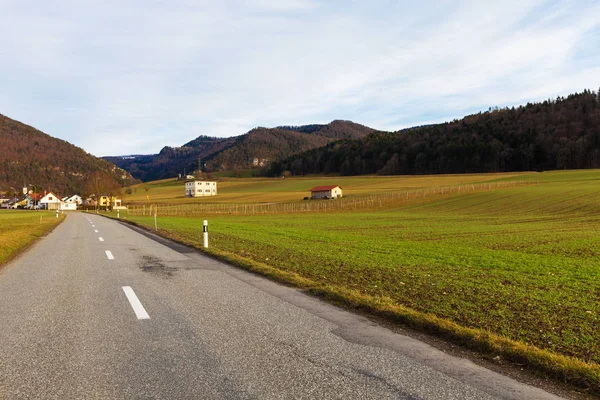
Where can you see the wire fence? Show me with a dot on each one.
(352, 203)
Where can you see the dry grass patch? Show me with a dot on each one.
(19, 229)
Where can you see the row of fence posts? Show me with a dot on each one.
(343, 204)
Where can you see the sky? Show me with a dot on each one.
(130, 77)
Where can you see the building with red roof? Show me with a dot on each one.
(326, 192)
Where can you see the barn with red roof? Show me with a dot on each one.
(326, 192)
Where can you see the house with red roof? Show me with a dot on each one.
(33, 200)
(326, 192)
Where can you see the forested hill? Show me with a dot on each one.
(256, 148)
(272, 144)
(172, 161)
(556, 134)
(29, 156)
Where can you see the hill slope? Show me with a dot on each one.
(171, 161)
(218, 154)
(29, 156)
(556, 134)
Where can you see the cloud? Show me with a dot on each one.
(118, 78)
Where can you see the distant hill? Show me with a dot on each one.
(171, 161)
(555, 134)
(256, 148)
(29, 156)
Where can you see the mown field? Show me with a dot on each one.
(519, 262)
(19, 228)
(267, 190)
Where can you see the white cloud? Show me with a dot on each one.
(131, 77)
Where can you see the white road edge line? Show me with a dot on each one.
(137, 306)
(101, 239)
(109, 255)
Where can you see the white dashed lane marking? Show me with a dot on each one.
(109, 255)
(137, 306)
(101, 239)
(96, 230)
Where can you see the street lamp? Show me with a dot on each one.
(35, 187)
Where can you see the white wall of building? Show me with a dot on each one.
(200, 188)
(51, 201)
(327, 194)
(65, 206)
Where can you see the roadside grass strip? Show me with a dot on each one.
(19, 229)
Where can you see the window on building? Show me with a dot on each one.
(207, 191)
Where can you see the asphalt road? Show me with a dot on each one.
(96, 310)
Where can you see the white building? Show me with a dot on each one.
(50, 201)
(200, 188)
(75, 199)
(326, 192)
(68, 206)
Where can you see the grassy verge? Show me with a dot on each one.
(20, 229)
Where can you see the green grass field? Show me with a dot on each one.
(18, 229)
(267, 190)
(522, 262)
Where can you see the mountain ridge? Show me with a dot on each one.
(258, 146)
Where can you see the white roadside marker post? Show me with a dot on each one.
(205, 233)
(118, 217)
(57, 213)
(155, 224)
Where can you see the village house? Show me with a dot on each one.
(110, 202)
(50, 201)
(33, 200)
(200, 188)
(19, 204)
(76, 199)
(64, 206)
(89, 202)
(326, 192)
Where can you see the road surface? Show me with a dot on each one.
(96, 310)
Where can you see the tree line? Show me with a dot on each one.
(555, 134)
